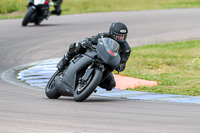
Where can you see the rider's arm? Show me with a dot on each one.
(124, 54)
(93, 40)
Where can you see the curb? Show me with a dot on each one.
(36, 75)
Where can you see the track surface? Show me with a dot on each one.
(25, 110)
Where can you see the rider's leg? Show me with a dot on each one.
(108, 83)
(57, 6)
(74, 49)
(64, 61)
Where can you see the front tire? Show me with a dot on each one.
(50, 90)
(28, 16)
(92, 82)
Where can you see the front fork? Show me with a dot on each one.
(89, 71)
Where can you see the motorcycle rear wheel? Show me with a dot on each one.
(50, 90)
(28, 16)
(91, 84)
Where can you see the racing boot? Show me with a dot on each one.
(65, 60)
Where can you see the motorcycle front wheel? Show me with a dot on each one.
(28, 16)
(50, 90)
(84, 90)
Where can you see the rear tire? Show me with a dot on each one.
(28, 16)
(50, 90)
(92, 83)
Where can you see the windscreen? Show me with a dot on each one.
(111, 46)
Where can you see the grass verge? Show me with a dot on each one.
(176, 66)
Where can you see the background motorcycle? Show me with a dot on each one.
(38, 10)
(85, 72)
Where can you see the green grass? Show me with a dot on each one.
(175, 66)
(85, 6)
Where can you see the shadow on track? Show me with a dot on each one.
(89, 100)
(45, 25)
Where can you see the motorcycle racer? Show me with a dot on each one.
(117, 31)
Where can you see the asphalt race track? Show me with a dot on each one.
(27, 110)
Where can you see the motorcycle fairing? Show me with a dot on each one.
(37, 2)
(62, 88)
(111, 60)
(67, 83)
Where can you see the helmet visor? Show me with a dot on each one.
(119, 37)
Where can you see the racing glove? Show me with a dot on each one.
(120, 67)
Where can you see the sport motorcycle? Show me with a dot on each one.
(85, 72)
(38, 10)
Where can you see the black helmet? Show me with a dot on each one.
(118, 31)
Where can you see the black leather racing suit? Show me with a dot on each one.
(57, 7)
(80, 47)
